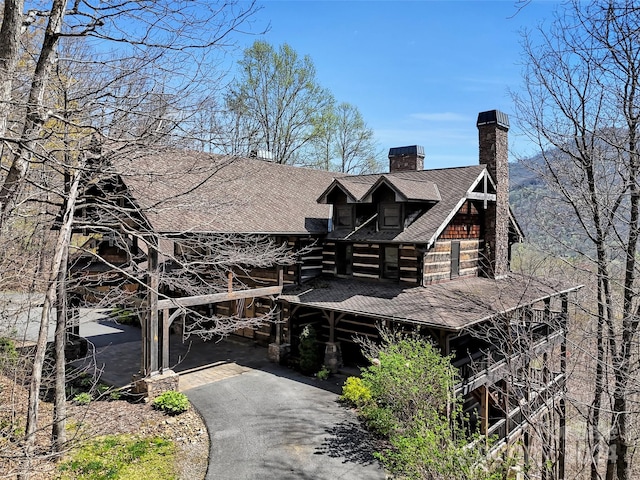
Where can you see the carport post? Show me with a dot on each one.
(150, 332)
(165, 339)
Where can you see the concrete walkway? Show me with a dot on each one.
(264, 420)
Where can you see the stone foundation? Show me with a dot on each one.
(333, 356)
(278, 353)
(155, 384)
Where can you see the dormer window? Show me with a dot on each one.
(390, 216)
(344, 216)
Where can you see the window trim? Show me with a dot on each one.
(383, 216)
(385, 272)
(340, 214)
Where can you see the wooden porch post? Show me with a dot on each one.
(564, 317)
(484, 407)
(150, 332)
(332, 326)
(165, 339)
(545, 437)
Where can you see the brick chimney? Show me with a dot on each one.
(402, 159)
(493, 127)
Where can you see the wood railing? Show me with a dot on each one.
(490, 365)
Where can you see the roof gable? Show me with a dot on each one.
(406, 189)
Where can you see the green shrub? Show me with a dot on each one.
(102, 388)
(380, 420)
(355, 392)
(85, 381)
(171, 402)
(125, 317)
(309, 357)
(8, 352)
(82, 399)
(407, 396)
(323, 373)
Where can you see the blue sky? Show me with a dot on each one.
(419, 71)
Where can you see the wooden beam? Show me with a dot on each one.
(486, 197)
(218, 297)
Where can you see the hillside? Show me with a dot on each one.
(547, 223)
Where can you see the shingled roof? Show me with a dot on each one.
(449, 305)
(185, 191)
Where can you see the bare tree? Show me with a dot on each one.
(128, 74)
(580, 106)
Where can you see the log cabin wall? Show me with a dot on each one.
(439, 261)
(249, 308)
(308, 266)
(310, 259)
(366, 261)
(458, 250)
(329, 258)
(410, 265)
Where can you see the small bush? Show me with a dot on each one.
(355, 392)
(102, 388)
(379, 419)
(323, 373)
(85, 381)
(125, 317)
(82, 399)
(171, 402)
(8, 352)
(309, 356)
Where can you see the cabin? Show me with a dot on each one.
(414, 249)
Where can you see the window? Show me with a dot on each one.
(455, 258)
(344, 259)
(390, 216)
(344, 216)
(390, 263)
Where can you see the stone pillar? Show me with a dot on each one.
(333, 356)
(278, 352)
(154, 385)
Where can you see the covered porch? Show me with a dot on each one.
(494, 329)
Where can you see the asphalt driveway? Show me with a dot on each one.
(265, 421)
(276, 424)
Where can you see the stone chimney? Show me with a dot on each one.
(493, 127)
(402, 159)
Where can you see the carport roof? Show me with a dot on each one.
(449, 306)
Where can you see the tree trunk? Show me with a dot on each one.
(60, 401)
(35, 114)
(49, 301)
(9, 44)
